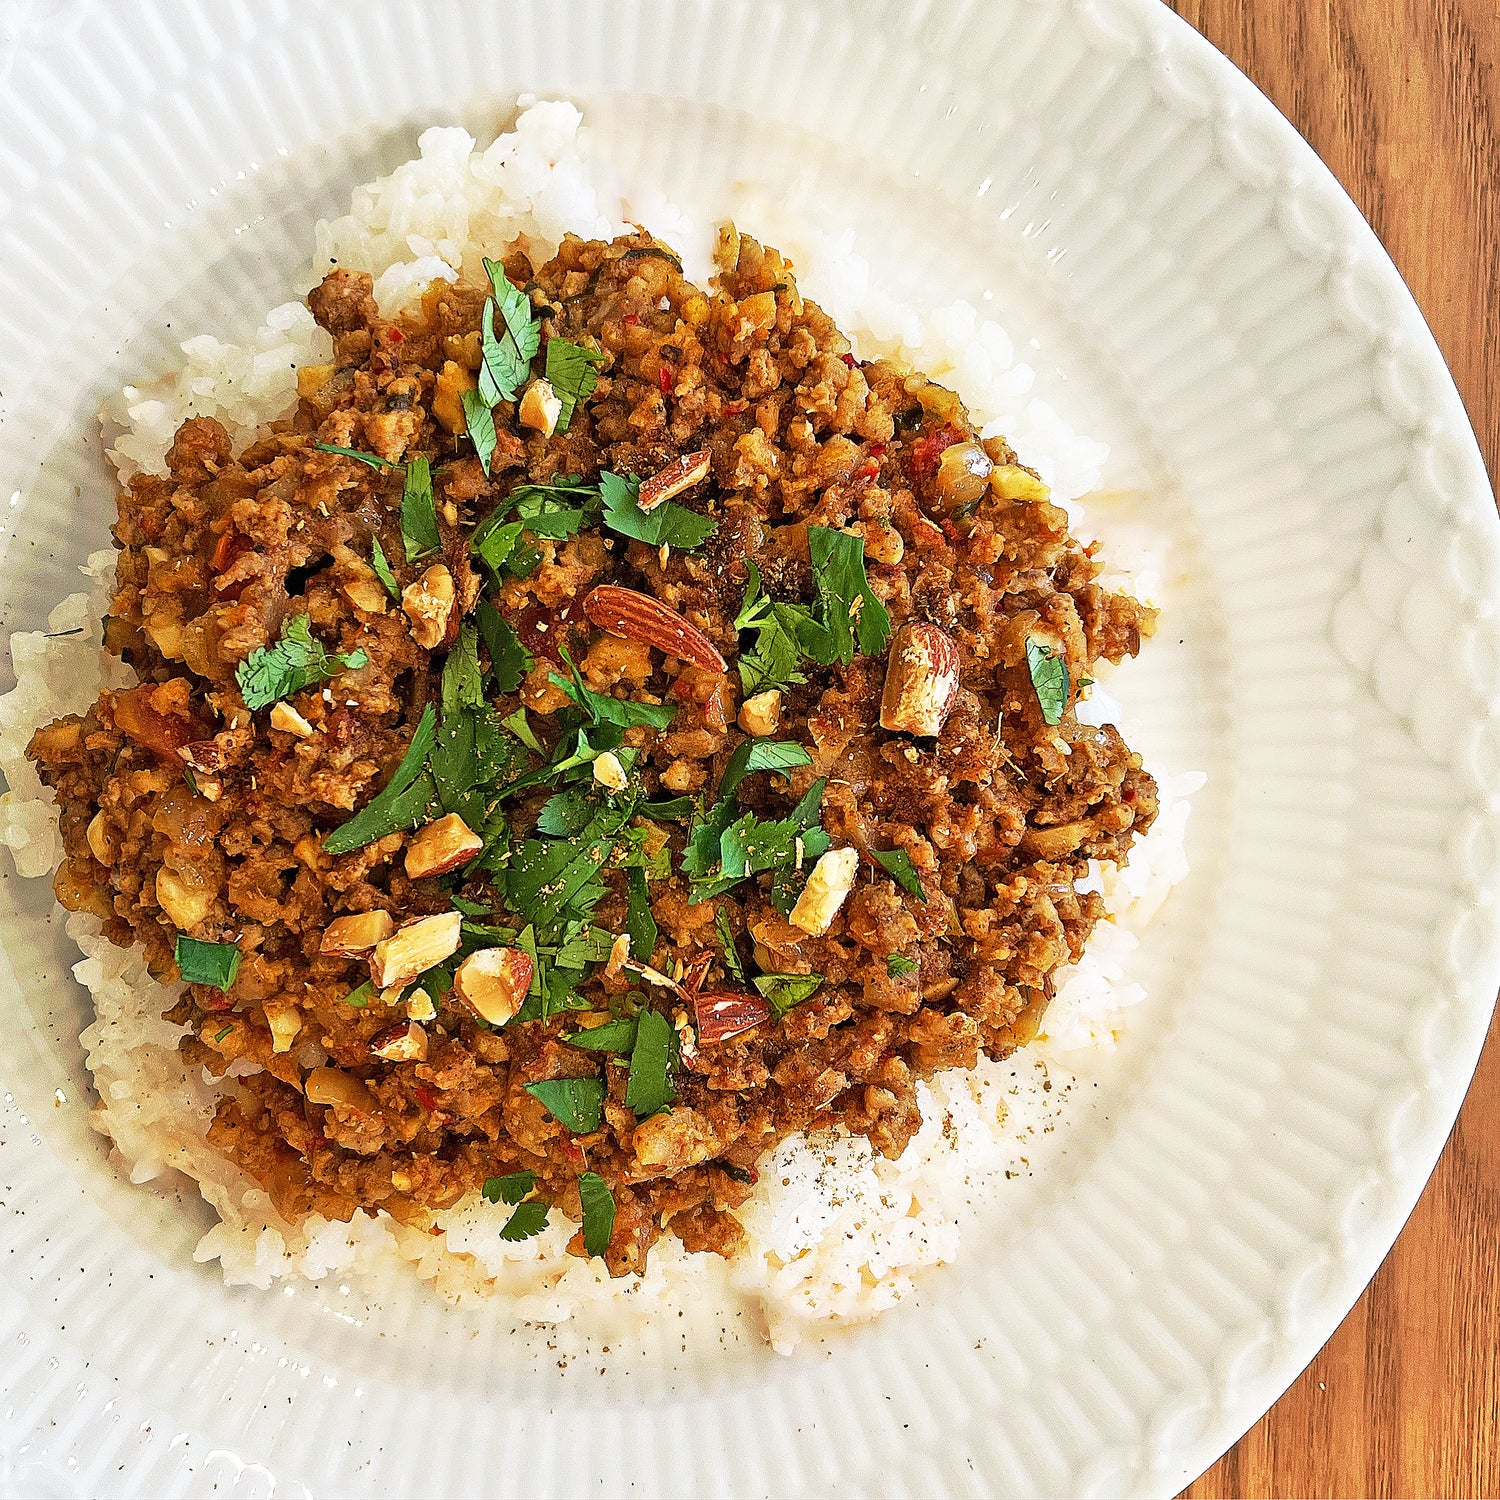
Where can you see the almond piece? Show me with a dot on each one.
(420, 1006)
(342, 1090)
(638, 617)
(364, 590)
(921, 680)
(609, 773)
(345, 937)
(286, 718)
(760, 715)
(428, 604)
(540, 408)
(441, 847)
(403, 1042)
(831, 880)
(728, 1013)
(493, 983)
(679, 475)
(415, 948)
(285, 1021)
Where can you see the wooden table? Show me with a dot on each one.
(1402, 99)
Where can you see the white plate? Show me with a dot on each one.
(1203, 296)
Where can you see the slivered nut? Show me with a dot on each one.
(609, 773)
(403, 1042)
(831, 880)
(540, 408)
(428, 604)
(921, 680)
(287, 719)
(420, 1006)
(415, 948)
(101, 840)
(186, 901)
(285, 1021)
(493, 983)
(441, 847)
(345, 937)
(619, 951)
(639, 617)
(679, 475)
(343, 1090)
(760, 715)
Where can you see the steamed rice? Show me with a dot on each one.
(834, 1231)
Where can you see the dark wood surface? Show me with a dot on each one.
(1402, 99)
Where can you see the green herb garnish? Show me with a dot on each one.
(400, 803)
(615, 1035)
(296, 661)
(725, 932)
(577, 1103)
(361, 995)
(639, 922)
(897, 864)
(374, 460)
(572, 374)
(786, 990)
(383, 570)
(649, 1088)
(898, 966)
(598, 1212)
(510, 661)
(505, 358)
(213, 964)
(668, 522)
(847, 606)
(530, 1218)
(510, 1189)
(603, 709)
(479, 422)
(419, 526)
(783, 629)
(222, 1032)
(1049, 676)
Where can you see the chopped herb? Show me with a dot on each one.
(506, 358)
(396, 806)
(192, 781)
(519, 726)
(615, 1035)
(463, 682)
(566, 813)
(470, 752)
(898, 966)
(897, 864)
(479, 422)
(786, 990)
(732, 960)
(783, 630)
(213, 964)
(639, 922)
(553, 879)
(419, 526)
(760, 755)
(598, 1212)
(669, 523)
(509, 659)
(374, 460)
(296, 661)
(572, 374)
(222, 1033)
(575, 1102)
(1049, 676)
(361, 995)
(510, 1189)
(603, 709)
(847, 606)
(672, 808)
(530, 1218)
(383, 569)
(649, 1087)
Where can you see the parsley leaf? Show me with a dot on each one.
(649, 1087)
(598, 1212)
(509, 1189)
(395, 806)
(760, 755)
(847, 606)
(463, 682)
(296, 661)
(506, 358)
(572, 374)
(725, 932)
(897, 864)
(479, 423)
(383, 571)
(577, 1103)
(669, 522)
(510, 661)
(1049, 676)
(374, 460)
(530, 1218)
(786, 990)
(782, 629)
(639, 922)
(518, 724)
(603, 709)
(419, 527)
(615, 1035)
(548, 877)
(213, 964)
(898, 966)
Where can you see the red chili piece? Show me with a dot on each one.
(926, 451)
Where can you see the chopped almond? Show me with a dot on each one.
(830, 882)
(760, 715)
(403, 1042)
(428, 604)
(609, 773)
(344, 937)
(289, 721)
(921, 680)
(493, 983)
(540, 408)
(441, 847)
(679, 475)
(413, 949)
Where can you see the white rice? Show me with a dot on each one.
(835, 1233)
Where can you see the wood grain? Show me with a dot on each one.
(1402, 99)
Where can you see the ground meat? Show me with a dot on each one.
(184, 813)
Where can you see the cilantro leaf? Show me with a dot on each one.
(506, 358)
(603, 709)
(360, 996)
(639, 922)
(469, 753)
(649, 1088)
(577, 1103)
(598, 1212)
(383, 571)
(898, 966)
(615, 1035)
(1049, 677)
(847, 606)
(786, 990)
(394, 806)
(529, 1218)
(298, 660)
(510, 661)
(547, 877)
(760, 755)
(566, 813)
(509, 1189)
(374, 460)
(669, 522)
(419, 527)
(479, 423)
(200, 962)
(518, 724)
(572, 374)
(673, 809)
(781, 630)
(897, 864)
(725, 932)
(463, 682)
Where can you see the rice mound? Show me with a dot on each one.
(835, 1233)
